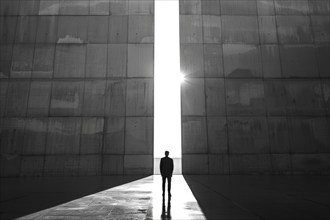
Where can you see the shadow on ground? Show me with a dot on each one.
(23, 196)
(261, 197)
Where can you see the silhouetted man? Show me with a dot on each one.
(166, 170)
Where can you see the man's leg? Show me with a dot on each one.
(164, 181)
(169, 179)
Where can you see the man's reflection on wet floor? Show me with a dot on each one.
(166, 214)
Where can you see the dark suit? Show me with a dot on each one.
(166, 170)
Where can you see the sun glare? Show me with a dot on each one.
(167, 104)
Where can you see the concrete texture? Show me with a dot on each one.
(76, 83)
(260, 105)
(76, 86)
(140, 197)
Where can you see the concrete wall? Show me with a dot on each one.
(256, 97)
(76, 87)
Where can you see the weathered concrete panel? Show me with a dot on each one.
(241, 60)
(10, 165)
(21, 66)
(298, 61)
(30, 7)
(91, 135)
(191, 29)
(118, 29)
(90, 165)
(323, 57)
(39, 98)
(99, 7)
(70, 61)
(215, 97)
(63, 136)
(96, 60)
(114, 136)
(26, 29)
(49, 7)
(218, 164)
(113, 165)
(118, 7)
(5, 60)
(12, 136)
(94, 98)
(141, 28)
(309, 135)
(311, 163)
(98, 29)
(7, 32)
(210, 7)
(61, 165)
(32, 166)
(43, 61)
(294, 29)
(249, 164)
(117, 60)
(190, 6)
(234, 7)
(319, 7)
(139, 98)
(47, 29)
(74, 7)
(195, 164)
(326, 94)
(321, 28)
(245, 97)
(115, 98)
(194, 137)
(240, 29)
(140, 60)
(191, 59)
(5, 66)
(267, 29)
(278, 129)
(139, 135)
(276, 97)
(138, 164)
(217, 135)
(17, 98)
(9, 7)
(72, 29)
(213, 65)
(193, 97)
(211, 29)
(141, 7)
(305, 97)
(281, 163)
(3, 96)
(291, 7)
(265, 7)
(67, 98)
(270, 58)
(35, 136)
(248, 135)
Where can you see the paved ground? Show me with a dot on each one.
(193, 197)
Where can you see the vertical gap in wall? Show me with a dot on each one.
(167, 100)
(225, 97)
(126, 81)
(282, 77)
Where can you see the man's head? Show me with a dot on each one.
(167, 153)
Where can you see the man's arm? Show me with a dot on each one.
(161, 166)
(172, 166)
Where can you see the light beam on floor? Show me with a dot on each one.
(140, 199)
(167, 104)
